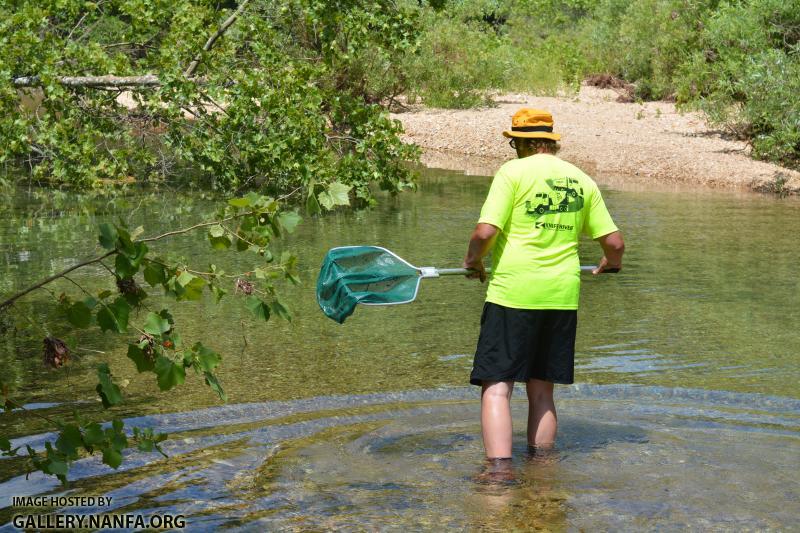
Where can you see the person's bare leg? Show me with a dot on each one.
(496, 418)
(542, 420)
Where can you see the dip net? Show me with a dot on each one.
(369, 275)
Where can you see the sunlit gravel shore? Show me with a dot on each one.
(650, 143)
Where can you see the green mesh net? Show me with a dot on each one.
(370, 275)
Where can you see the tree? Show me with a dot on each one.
(275, 102)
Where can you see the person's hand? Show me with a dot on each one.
(479, 271)
(604, 266)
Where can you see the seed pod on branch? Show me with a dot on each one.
(56, 352)
(243, 286)
(147, 343)
(132, 292)
(126, 286)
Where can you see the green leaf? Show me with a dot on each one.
(69, 440)
(279, 309)
(312, 205)
(257, 307)
(112, 457)
(147, 440)
(254, 199)
(339, 193)
(55, 467)
(124, 241)
(127, 264)
(123, 267)
(119, 440)
(164, 313)
(325, 200)
(242, 245)
(79, 315)
(193, 290)
(218, 292)
(145, 445)
(206, 357)
(5, 444)
(169, 374)
(175, 338)
(114, 317)
(239, 202)
(108, 236)
(213, 382)
(154, 274)
(109, 392)
(187, 286)
(140, 358)
(93, 435)
(156, 325)
(185, 278)
(220, 243)
(289, 220)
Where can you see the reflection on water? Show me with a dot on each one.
(628, 457)
(320, 434)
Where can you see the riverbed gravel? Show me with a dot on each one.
(650, 144)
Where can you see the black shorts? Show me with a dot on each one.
(523, 344)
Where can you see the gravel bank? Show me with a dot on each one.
(649, 144)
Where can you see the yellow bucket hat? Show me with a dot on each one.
(532, 124)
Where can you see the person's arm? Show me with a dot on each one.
(613, 247)
(479, 245)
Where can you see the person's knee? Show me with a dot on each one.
(499, 389)
(539, 390)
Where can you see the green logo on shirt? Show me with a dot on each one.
(565, 196)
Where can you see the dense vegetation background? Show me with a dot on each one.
(304, 83)
(738, 60)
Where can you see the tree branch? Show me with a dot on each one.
(148, 80)
(210, 43)
(187, 230)
(9, 301)
(52, 278)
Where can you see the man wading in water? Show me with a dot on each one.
(537, 207)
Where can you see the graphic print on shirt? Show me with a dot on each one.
(565, 196)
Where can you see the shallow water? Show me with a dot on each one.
(629, 457)
(693, 421)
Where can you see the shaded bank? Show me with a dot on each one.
(648, 143)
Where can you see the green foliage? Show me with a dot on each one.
(654, 39)
(108, 391)
(249, 224)
(737, 61)
(457, 64)
(78, 438)
(285, 99)
(746, 74)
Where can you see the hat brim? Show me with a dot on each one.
(533, 135)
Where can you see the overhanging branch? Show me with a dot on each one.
(148, 80)
(210, 43)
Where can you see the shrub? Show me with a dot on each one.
(745, 75)
(457, 65)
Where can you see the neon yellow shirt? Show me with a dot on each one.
(541, 204)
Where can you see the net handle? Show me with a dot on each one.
(431, 272)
